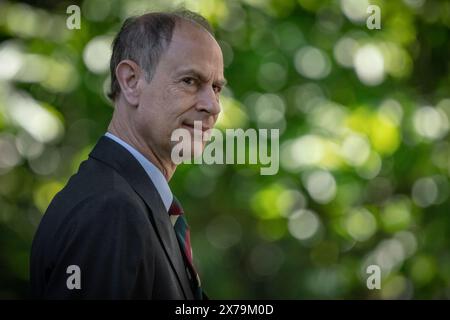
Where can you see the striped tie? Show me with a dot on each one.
(181, 227)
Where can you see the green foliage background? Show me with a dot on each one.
(364, 146)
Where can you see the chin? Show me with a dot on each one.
(197, 149)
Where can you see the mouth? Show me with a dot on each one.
(190, 126)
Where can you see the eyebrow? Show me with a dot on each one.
(198, 74)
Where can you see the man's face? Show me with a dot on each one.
(185, 88)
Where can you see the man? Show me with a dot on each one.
(116, 231)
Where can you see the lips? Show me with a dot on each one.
(189, 125)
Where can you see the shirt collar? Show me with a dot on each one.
(153, 172)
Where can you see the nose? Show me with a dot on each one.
(208, 101)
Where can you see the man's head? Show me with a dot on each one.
(166, 73)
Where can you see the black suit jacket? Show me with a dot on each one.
(111, 222)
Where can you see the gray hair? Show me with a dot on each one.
(144, 38)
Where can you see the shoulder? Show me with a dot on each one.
(109, 220)
(111, 206)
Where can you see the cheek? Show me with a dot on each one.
(164, 110)
(178, 100)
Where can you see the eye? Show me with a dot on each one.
(217, 89)
(189, 81)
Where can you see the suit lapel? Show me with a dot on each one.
(116, 156)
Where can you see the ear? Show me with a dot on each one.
(128, 74)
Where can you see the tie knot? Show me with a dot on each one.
(175, 208)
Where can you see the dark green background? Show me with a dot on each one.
(365, 161)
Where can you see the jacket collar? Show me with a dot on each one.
(117, 157)
(158, 179)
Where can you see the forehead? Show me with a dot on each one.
(192, 46)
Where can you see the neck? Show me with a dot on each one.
(122, 130)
